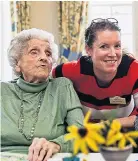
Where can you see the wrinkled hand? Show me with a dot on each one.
(42, 149)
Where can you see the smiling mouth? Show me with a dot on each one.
(110, 61)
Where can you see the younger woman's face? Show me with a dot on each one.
(106, 52)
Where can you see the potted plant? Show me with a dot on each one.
(119, 141)
(109, 138)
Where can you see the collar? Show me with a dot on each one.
(31, 87)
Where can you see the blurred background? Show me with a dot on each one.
(67, 21)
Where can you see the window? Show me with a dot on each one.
(122, 11)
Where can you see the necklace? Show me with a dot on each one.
(21, 118)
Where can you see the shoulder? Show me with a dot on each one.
(132, 64)
(8, 83)
(60, 82)
(8, 87)
(74, 63)
(68, 69)
(135, 63)
(60, 86)
(127, 60)
(126, 66)
(66, 66)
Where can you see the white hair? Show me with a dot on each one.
(20, 42)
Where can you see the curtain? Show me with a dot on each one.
(72, 17)
(20, 15)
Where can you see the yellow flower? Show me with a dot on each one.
(128, 137)
(87, 136)
(115, 135)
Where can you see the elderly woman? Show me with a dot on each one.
(35, 108)
(106, 80)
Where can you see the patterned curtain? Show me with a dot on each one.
(20, 15)
(72, 18)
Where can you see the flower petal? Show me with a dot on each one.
(122, 143)
(114, 139)
(96, 127)
(97, 137)
(116, 125)
(83, 147)
(92, 144)
(70, 136)
(87, 117)
(132, 141)
(76, 146)
(72, 129)
(110, 133)
(133, 134)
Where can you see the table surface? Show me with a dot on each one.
(59, 156)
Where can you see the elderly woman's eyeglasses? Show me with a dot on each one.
(98, 20)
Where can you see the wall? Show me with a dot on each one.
(135, 27)
(44, 16)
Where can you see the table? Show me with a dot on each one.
(59, 156)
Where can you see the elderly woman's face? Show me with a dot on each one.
(36, 62)
(106, 52)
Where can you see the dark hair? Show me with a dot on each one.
(100, 24)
